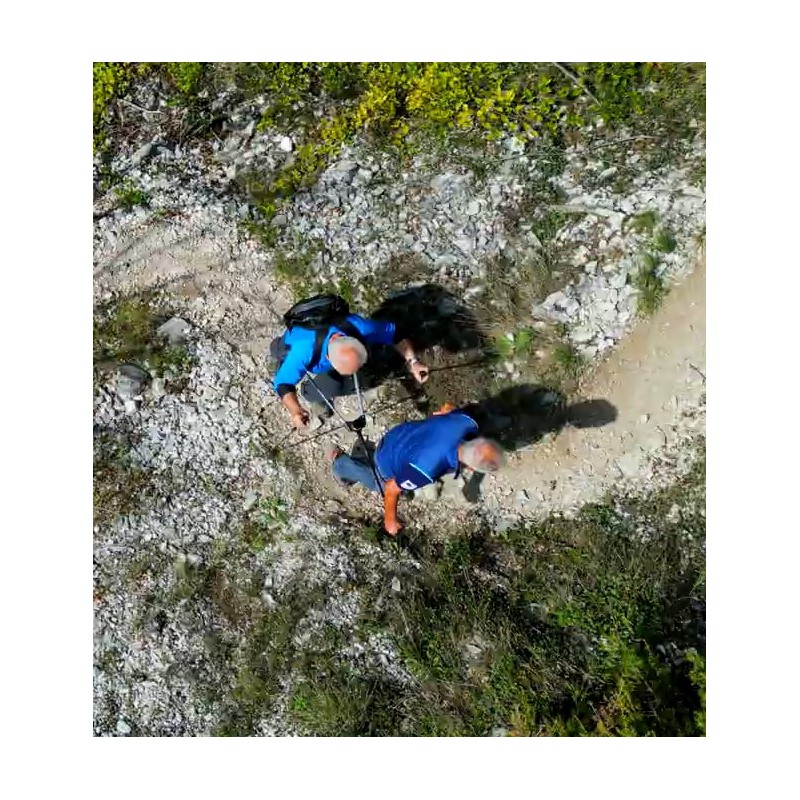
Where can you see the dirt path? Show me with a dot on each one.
(654, 379)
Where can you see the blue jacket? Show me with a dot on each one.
(418, 453)
(301, 341)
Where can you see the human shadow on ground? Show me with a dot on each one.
(521, 415)
(439, 326)
(431, 316)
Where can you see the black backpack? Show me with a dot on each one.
(318, 314)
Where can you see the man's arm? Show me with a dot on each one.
(382, 332)
(299, 415)
(391, 494)
(415, 366)
(286, 379)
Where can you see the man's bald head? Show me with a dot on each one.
(346, 354)
(481, 454)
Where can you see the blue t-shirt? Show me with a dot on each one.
(301, 341)
(418, 453)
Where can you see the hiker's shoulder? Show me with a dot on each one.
(299, 336)
(456, 424)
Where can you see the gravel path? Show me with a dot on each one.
(655, 379)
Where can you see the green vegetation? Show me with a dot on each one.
(586, 627)
(346, 705)
(567, 359)
(125, 331)
(266, 519)
(129, 195)
(119, 485)
(644, 222)
(664, 241)
(406, 102)
(591, 627)
(110, 80)
(650, 284)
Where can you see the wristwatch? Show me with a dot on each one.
(411, 361)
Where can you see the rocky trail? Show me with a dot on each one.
(653, 380)
(214, 517)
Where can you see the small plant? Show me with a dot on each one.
(547, 226)
(568, 359)
(129, 196)
(664, 241)
(125, 331)
(119, 485)
(267, 518)
(294, 270)
(267, 234)
(503, 347)
(186, 76)
(514, 345)
(650, 285)
(644, 222)
(110, 80)
(272, 513)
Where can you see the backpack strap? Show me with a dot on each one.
(319, 339)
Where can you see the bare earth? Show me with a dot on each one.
(655, 379)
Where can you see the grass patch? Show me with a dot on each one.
(650, 284)
(567, 360)
(664, 241)
(264, 522)
(397, 103)
(644, 222)
(588, 627)
(125, 332)
(295, 271)
(345, 704)
(119, 486)
(129, 196)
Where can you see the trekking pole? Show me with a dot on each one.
(358, 395)
(343, 425)
(356, 425)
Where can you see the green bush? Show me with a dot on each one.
(405, 101)
(582, 634)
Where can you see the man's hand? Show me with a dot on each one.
(392, 526)
(300, 418)
(419, 371)
(445, 409)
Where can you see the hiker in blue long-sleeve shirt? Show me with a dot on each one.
(326, 340)
(414, 454)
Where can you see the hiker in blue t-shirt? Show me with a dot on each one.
(415, 454)
(331, 353)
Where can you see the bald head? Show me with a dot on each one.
(481, 454)
(346, 354)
